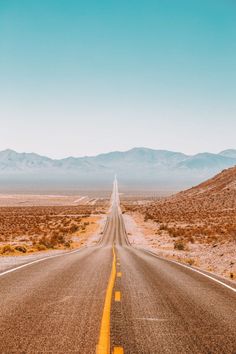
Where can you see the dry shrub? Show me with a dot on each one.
(232, 275)
(53, 240)
(73, 228)
(7, 249)
(21, 248)
(163, 227)
(190, 261)
(179, 245)
(41, 227)
(41, 247)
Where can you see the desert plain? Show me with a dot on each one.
(196, 227)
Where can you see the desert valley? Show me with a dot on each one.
(196, 227)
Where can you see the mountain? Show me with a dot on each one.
(217, 193)
(12, 161)
(212, 199)
(136, 168)
(208, 161)
(229, 153)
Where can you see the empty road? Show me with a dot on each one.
(113, 298)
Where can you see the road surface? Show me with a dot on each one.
(113, 298)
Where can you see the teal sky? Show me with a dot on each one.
(84, 77)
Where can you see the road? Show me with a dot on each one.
(114, 298)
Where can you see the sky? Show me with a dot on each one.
(86, 77)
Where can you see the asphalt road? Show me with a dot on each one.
(157, 306)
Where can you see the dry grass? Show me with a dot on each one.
(30, 229)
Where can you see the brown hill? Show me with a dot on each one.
(218, 193)
(205, 213)
(226, 180)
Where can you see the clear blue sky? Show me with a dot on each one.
(84, 77)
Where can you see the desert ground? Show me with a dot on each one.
(36, 225)
(197, 226)
(218, 258)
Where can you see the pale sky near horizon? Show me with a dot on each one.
(86, 77)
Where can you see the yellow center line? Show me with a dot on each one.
(103, 346)
(117, 295)
(118, 350)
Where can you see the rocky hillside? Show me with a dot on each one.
(217, 193)
(205, 213)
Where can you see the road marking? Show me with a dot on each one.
(119, 274)
(117, 296)
(37, 261)
(207, 276)
(103, 346)
(151, 319)
(194, 270)
(118, 350)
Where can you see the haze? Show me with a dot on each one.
(81, 78)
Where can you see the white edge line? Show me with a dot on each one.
(194, 270)
(37, 261)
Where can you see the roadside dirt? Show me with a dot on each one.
(219, 258)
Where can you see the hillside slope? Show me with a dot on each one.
(205, 213)
(217, 193)
(197, 226)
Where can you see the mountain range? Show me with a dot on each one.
(136, 168)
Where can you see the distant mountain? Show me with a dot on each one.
(207, 161)
(12, 161)
(135, 168)
(229, 153)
